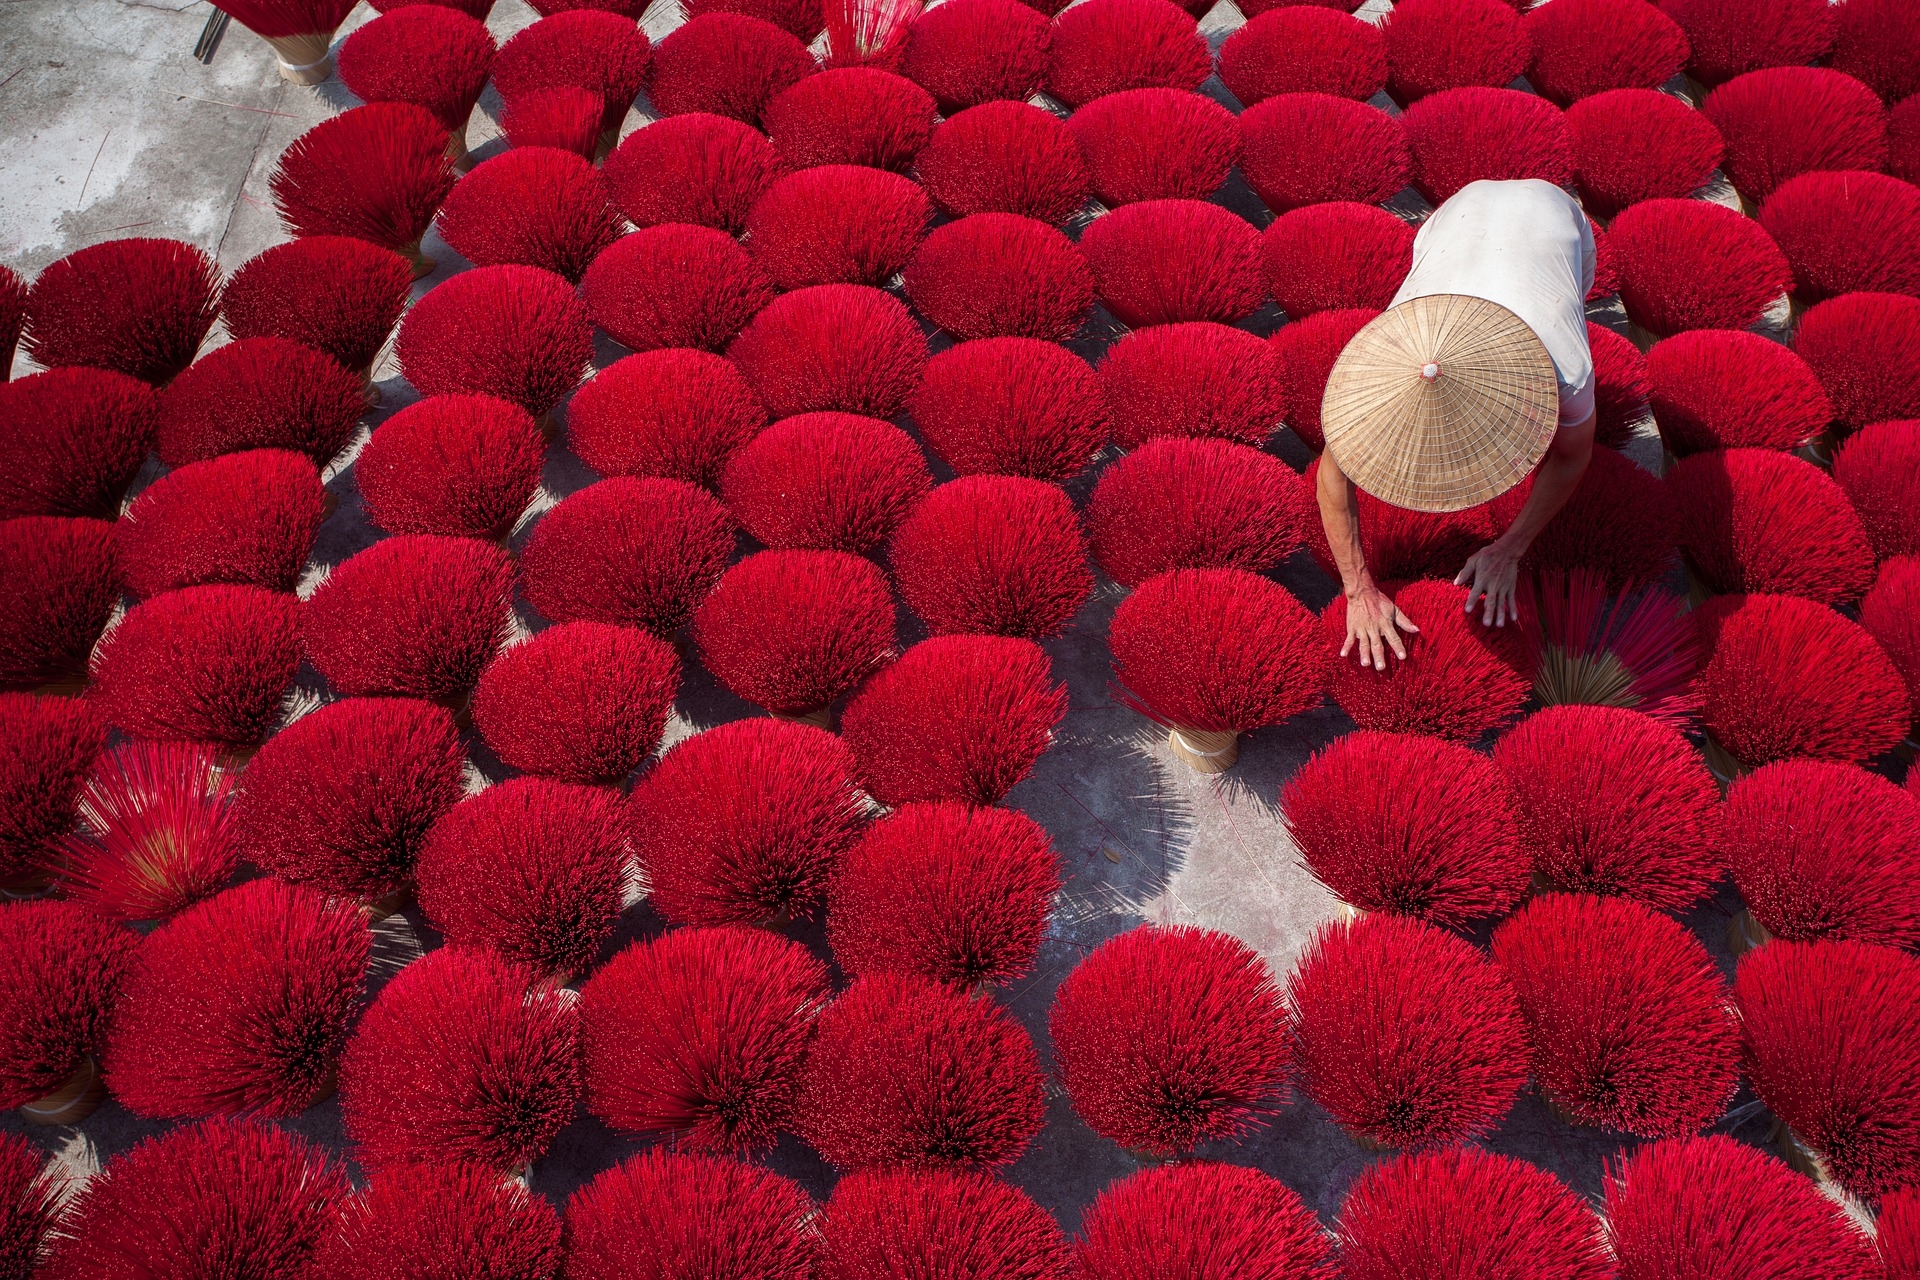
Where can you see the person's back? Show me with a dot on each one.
(1527, 246)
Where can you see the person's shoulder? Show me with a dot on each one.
(1514, 190)
(1537, 204)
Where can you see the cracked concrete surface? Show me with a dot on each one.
(114, 130)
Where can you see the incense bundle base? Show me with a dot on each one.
(819, 717)
(236, 760)
(303, 58)
(457, 149)
(422, 265)
(72, 1102)
(1722, 763)
(1818, 450)
(1799, 1156)
(390, 904)
(1744, 933)
(1598, 679)
(1205, 750)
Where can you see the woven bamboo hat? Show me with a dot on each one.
(1441, 404)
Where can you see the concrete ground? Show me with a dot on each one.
(115, 130)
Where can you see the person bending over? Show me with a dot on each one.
(1477, 373)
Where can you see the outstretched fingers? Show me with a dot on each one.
(1390, 635)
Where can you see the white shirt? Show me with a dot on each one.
(1527, 246)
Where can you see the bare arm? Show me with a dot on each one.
(1492, 573)
(1373, 623)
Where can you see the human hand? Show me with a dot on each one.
(1490, 576)
(1374, 623)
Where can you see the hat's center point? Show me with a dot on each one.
(1430, 371)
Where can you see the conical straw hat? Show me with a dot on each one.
(1442, 403)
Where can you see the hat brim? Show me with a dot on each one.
(1441, 403)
